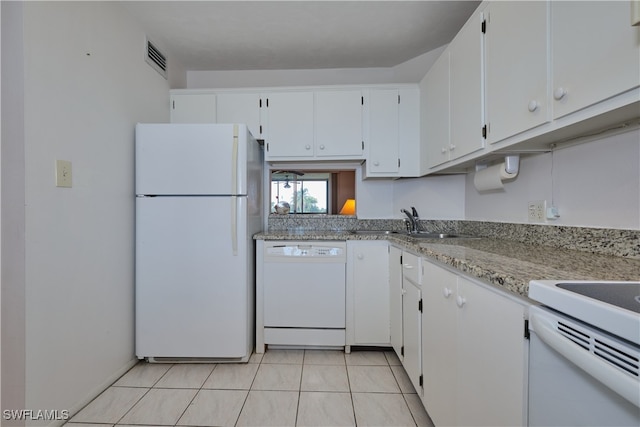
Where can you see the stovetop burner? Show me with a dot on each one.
(623, 295)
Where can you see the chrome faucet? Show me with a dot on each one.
(413, 219)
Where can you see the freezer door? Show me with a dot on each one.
(192, 159)
(193, 290)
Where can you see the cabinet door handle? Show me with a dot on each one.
(447, 292)
(408, 266)
(452, 147)
(307, 147)
(322, 147)
(460, 301)
(376, 163)
(559, 93)
(360, 256)
(533, 105)
(444, 150)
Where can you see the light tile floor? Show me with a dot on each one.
(279, 388)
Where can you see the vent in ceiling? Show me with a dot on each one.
(155, 58)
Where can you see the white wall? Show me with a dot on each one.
(411, 71)
(434, 197)
(594, 184)
(85, 86)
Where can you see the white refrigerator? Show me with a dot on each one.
(198, 204)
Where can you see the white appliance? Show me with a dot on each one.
(301, 297)
(198, 204)
(584, 353)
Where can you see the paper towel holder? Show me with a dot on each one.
(511, 164)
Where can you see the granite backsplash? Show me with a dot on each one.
(607, 241)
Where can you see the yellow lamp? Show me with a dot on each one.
(349, 207)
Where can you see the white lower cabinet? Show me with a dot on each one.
(395, 299)
(473, 352)
(411, 321)
(367, 293)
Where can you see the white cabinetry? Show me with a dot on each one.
(289, 121)
(240, 108)
(412, 318)
(595, 53)
(439, 344)
(516, 43)
(435, 97)
(392, 131)
(466, 62)
(473, 352)
(338, 124)
(395, 299)
(367, 293)
(193, 108)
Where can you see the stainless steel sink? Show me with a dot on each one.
(373, 232)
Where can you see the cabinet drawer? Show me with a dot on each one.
(412, 267)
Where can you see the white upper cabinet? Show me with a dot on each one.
(517, 67)
(595, 51)
(383, 155)
(193, 108)
(435, 111)
(466, 62)
(338, 124)
(289, 124)
(240, 108)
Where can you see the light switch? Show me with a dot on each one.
(63, 173)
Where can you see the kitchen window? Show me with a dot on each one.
(305, 194)
(312, 192)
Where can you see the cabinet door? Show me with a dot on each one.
(289, 132)
(412, 325)
(592, 65)
(338, 124)
(491, 358)
(517, 67)
(439, 343)
(383, 145)
(370, 278)
(395, 298)
(193, 108)
(435, 88)
(240, 108)
(467, 89)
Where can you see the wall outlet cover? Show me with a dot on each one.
(538, 211)
(63, 173)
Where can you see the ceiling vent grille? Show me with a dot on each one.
(156, 59)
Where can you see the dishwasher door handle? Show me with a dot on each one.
(620, 383)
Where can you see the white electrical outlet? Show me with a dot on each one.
(63, 173)
(538, 211)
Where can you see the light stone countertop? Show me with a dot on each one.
(507, 264)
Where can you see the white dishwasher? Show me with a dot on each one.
(303, 294)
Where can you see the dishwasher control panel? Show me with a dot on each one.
(326, 251)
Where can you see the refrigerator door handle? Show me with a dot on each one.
(234, 162)
(234, 224)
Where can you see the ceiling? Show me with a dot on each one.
(271, 35)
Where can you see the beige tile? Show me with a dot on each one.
(283, 356)
(420, 415)
(214, 408)
(256, 358)
(379, 409)
(323, 357)
(324, 378)
(372, 379)
(161, 406)
(143, 375)
(110, 406)
(370, 358)
(185, 376)
(269, 408)
(71, 424)
(236, 376)
(403, 379)
(325, 409)
(392, 358)
(278, 377)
